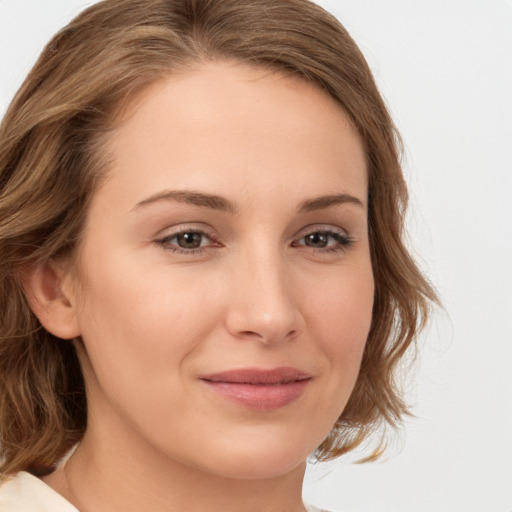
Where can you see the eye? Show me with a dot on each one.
(190, 240)
(187, 241)
(325, 240)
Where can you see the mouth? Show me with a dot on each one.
(259, 389)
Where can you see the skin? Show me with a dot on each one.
(261, 291)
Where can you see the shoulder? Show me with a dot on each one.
(24, 492)
(312, 508)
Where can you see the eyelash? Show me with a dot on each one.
(343, 242)
(164, 242)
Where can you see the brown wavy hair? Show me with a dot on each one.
(51, 160)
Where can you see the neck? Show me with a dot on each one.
(102, 475)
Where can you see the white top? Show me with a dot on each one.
(26, 493)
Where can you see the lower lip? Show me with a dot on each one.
(262, 397)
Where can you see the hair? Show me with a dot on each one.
(51, 160)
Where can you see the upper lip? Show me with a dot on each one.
(280, 375)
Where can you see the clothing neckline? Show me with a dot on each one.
(25, 492)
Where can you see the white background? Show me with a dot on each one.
(445, 70)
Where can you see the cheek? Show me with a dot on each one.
(339, 318)
(342, 309)
(139, 324)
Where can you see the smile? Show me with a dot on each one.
(259, 389)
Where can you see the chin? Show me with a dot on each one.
(242, 467)
(258, 458)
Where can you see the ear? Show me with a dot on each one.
(49, 293)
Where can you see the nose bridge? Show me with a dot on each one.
(263, 304)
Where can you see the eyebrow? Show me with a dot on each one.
(211, 201)
(322, 202)
(220, 203)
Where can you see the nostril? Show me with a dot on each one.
(251, 334)
(268, 337)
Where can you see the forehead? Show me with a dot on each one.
(233, 128)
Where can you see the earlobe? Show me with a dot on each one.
(49, 295)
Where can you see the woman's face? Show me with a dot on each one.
(226, 283)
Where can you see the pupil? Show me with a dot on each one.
(317, 240)
(189, 240)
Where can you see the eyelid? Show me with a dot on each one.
(197, 227)
(314, 228)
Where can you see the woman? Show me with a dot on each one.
(201, 259)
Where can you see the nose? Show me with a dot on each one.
(263, 301)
